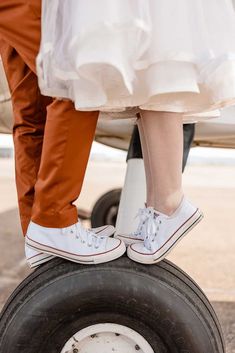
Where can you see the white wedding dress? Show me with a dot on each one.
(165, 55)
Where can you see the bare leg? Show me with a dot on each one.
(162, 145)
(149, 179)
(161, 135)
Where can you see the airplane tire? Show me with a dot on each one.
(158, 309)
(105, 209)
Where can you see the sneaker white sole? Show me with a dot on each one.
(39, 259)
(160, 254)
(82, 259)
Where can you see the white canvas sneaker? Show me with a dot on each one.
(74, 243)
(164, 232)
(105, 231)
(137, 236)
(36, 258)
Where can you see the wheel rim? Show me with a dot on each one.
(107, 338)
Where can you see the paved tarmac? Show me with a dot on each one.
(207, 254)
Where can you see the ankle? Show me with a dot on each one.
(168, 206)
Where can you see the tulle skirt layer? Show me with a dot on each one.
(163, 55)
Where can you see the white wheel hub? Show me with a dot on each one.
(107, 338)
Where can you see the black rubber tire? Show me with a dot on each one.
(105, 209)
(160, 302)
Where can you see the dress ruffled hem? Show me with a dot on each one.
(163, 86)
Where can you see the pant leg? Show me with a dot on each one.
(20, 27)
(67, 133)
(29, 108)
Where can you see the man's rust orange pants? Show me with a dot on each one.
(52, 140)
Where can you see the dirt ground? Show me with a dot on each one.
(207, 254)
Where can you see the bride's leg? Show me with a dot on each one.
(169, 215)
(149, 179)
(162, 145)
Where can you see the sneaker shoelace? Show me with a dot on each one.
(85, 235)
(152, 226)
(142, 215)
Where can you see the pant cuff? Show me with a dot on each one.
(57, 220)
